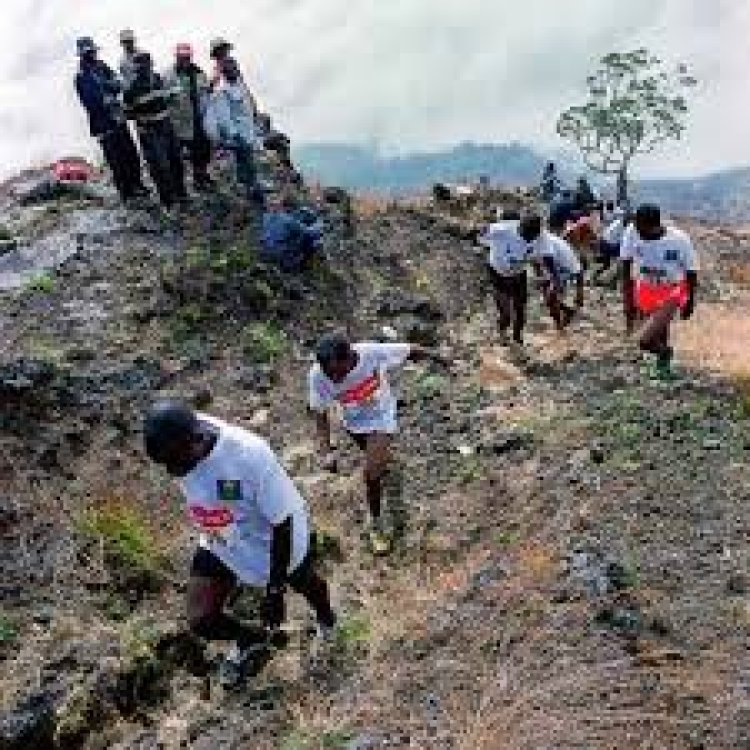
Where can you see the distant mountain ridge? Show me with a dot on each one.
(724, 196)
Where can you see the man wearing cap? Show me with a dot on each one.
(99, 92)
(147, 102)
(189, 90)
(253, 525)
(231, 123)
(127, 61)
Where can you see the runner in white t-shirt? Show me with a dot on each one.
(355, 377)
(252, 521)
(507, 262)
(558, 264)
(660, 268)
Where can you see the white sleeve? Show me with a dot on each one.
(391, 355)
(319, 397)
(627, 243)
(274, 491)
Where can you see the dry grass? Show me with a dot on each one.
(717, 340)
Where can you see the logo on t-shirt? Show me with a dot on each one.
(671, 255)
(229, 490)
(364, 392)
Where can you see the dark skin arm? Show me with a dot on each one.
(628, 289)
(421, 353)
(692, 281)
(579, 290)
(281, 554)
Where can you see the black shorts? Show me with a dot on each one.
(360, 439)
(206, 565)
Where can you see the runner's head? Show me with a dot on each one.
(173, 436)
(648, 221)
(336, 356)
(531, 227)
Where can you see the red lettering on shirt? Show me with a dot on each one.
(361, 392)
(211, 519)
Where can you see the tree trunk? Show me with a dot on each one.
(622, 185)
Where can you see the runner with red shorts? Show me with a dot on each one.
(661, 276)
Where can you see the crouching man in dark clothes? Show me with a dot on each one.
(253, 522)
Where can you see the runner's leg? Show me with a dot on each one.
(209, 587)
(307, 582)
(520, 300)
(377, 457)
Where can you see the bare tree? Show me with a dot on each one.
(635, 104)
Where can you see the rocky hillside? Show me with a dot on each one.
(571, 568)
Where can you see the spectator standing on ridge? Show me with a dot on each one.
(550, 182)
(254, 527)
(189, 91)
(558, 264)
(355, 376)
(660, 268)
(147, 102)
(231, 123)
(585, 199)
(127, 61)
(99, 92)
(219, 50)
(507, 261)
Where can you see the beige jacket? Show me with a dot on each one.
(181, 105)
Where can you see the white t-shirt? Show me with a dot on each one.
(664, 260)
(364, 395)
(564, 259)
(615, 231)
(236, 495)
(508, 250)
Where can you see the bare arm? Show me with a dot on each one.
(421, 353)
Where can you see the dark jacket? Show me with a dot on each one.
(98, 89)
(147, 100)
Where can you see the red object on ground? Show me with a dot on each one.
(650, 297)
(72, 170)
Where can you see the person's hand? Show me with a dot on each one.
(274, 608)
(328, 462)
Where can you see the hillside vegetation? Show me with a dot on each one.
(571, 569)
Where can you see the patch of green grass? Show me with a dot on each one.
(139, 638)
(125, 535)
(506, 538)
(8, 631)
(335, 739)
(41, 282)
(263, 343)
(353, 631)
(431, 385)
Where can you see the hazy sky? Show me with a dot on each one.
(407, 74)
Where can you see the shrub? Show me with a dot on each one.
(131, 550)
(41, 282)
(263, 343)
(8, 631)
